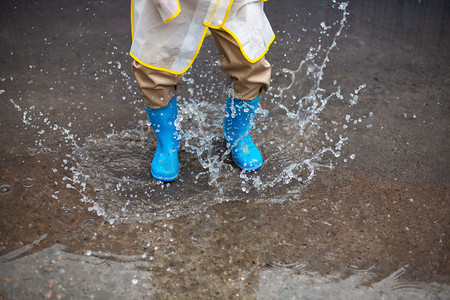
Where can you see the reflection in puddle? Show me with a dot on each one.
(56, 274)
(282, 284)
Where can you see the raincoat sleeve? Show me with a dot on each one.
(168, 9)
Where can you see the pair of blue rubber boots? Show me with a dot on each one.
(239, 118)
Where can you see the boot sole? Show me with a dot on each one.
(164, 179)
(249, 169)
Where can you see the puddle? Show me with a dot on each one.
(55, 274)
(354, 189)
(278, 284)
(111, 172)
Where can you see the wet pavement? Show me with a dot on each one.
(352, 201)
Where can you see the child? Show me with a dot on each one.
(167, 36)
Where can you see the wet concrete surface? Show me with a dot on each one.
(81, 216)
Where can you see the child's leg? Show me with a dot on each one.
(157, 87)
(158, 91)
(249, 80)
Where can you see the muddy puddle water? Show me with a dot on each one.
(352, 201)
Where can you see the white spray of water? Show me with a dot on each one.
(107, 166)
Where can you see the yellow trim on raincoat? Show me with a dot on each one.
(205, 33)
(211, 17)
(242, 48)
(175, 14)
(132, 20)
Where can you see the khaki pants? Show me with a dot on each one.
(248, 80)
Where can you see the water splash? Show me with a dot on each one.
(111, 172)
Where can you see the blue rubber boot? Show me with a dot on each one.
(239, 116)
(165, 164)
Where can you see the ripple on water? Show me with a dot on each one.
(286, 285)
(65, 210)
(284, 256)
(28, 182)
(411, 289)
(5, 189)
(89, 225)
(234, 214)
(360, 265)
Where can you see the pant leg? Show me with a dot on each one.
(157, 87)
(248, 79)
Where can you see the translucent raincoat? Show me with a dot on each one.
(167, 34)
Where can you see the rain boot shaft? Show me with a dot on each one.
(239, 120)
(165, 164)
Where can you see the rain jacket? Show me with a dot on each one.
(167, 34)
